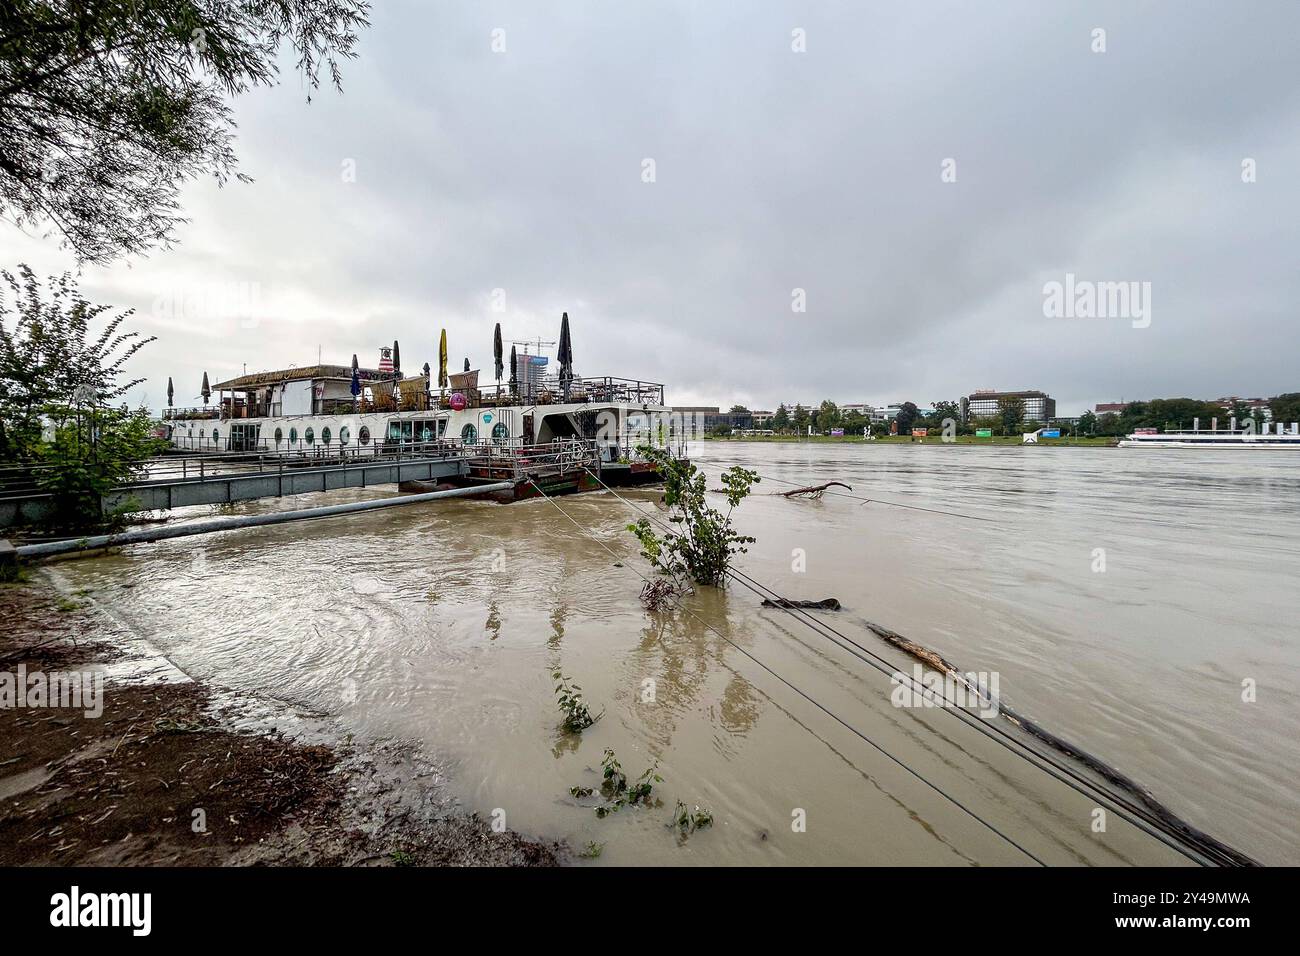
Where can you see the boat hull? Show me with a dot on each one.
(1292, 444)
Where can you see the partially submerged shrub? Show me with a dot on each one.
(577, 715)
(659, 594)
(688, 821)
(701, 551)
(615, 779)
(616, 790)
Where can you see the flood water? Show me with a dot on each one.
(442, 622)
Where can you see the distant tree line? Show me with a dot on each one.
(827, 416)
(1172, 414)
(1165, 414)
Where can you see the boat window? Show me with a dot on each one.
(364, 435)
(500, 432)
(394, 430)
(216, 434)
(469, 435)
(345, 433)
(325, 435)
(407, 431)
(309, 436)
(424, 431)
(442, 427)
(293, 436)
(279, 436)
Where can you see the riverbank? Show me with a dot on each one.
(1086, 441)
(176, 772)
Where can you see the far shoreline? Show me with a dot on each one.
(1000, 440)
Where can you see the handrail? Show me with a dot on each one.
(512, 454)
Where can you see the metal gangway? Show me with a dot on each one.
(179, 481)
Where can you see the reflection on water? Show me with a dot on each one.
(444, 621)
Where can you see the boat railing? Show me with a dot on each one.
(190, 414)
(510, 459)
(549, 390)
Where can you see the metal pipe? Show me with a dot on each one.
(145, 535)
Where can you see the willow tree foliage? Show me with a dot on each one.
(107, 107)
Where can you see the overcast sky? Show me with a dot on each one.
(774, 170)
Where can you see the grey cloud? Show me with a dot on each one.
(775, 170)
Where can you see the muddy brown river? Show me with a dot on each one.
(1121, 597)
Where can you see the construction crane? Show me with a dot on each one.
(538, 342)
(528, 380)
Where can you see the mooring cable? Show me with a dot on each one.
(1148, 809)
(1009, 742)
(812, 700)
(1176, 836)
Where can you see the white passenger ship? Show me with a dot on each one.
(1281, 437)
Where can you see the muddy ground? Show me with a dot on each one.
(171, 774)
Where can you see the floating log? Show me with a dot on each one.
(826, 604)
(1215, 849)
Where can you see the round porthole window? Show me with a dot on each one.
(345, 434)
(216, 434)
(469, 435)
(309, 436)
(279, 437)
(293, 436)
(325, 434)
(364, 435)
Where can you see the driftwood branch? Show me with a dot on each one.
(812, 491)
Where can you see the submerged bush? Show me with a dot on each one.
(577, 715)
(701, 550)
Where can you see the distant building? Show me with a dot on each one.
(741, 420)
(529, 370)
(1039, 406)
(887, 413)
(698, 419)
(689, 420)
(1254, 404)
(1226, 403)
(763, 419)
